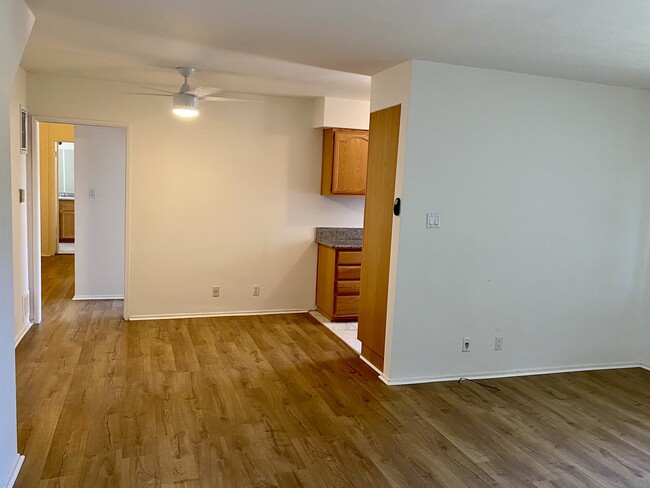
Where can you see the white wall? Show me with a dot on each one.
(15, 25)
(542, 186)
(645, 345)
(19, 210)
(100, 164)
(229, 199)
(644, 312)
(341, 112)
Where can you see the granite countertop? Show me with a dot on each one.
(340, 237)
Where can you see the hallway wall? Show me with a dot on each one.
(100, 165)
(16, 22)
(19, 209)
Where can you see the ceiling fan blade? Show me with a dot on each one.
(158, 90)
(204, 91)
(231, 97)
(148, 94)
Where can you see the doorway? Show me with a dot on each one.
(56, 172)
(82, 209)
(64, 157)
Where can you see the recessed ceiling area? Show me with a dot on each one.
(298, 48)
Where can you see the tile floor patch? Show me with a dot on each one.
(346, 331)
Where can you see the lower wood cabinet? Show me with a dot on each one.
(338, 285)
(66, 220)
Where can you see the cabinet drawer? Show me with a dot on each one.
(347, 305)
(349, 257)
(66, 205)
(348, 272)
(348, 287)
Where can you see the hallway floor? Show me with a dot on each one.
(270, 401)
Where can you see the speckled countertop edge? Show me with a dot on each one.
(340, 237)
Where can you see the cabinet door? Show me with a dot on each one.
(68, 225)
(66, 221)
(350, 162)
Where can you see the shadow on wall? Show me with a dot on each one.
(304, 254)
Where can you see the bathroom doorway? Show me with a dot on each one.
(64, 158)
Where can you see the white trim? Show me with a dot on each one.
(21, 334)
(371, 365)
(644, 365)
(385, 380)
(34, 225)
(507, 373)
(98, 297)
(11, 479)
(215, 314)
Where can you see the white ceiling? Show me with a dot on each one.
(328, 47)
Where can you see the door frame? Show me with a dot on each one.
(34, 210)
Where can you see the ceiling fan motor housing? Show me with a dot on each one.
(185, 101)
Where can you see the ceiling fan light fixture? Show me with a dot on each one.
(185, 105)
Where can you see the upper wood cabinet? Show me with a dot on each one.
(345, 162)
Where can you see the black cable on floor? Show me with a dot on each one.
(479, 383)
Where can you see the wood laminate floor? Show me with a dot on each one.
(279, 401)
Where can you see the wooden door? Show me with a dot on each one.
(350, 162)
(377, 232)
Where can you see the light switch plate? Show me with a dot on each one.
(433, 220)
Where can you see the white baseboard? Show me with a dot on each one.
(21, 334)
(215, 314)
(11, 479)
(506, 374)
(98, 297)
(372, 365)
(644, 365)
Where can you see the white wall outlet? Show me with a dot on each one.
(216, 291)
(91, 193)
(498, 343)
(256, 290)
(466, 343)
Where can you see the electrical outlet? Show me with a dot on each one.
(216, 290)
(26, 308)
(498, 343)
(256, 290)
(466, 343)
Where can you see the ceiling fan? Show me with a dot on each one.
(185, 102)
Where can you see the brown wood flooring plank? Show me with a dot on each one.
(279, 401)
